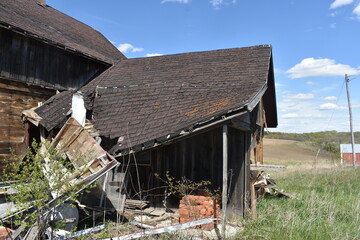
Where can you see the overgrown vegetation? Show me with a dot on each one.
(39, 180)
(327, 206)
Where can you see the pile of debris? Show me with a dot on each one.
(79, 174)
(264, 185)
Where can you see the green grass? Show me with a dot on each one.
(327, 206)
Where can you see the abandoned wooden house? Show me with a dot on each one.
(42, 51)
(188, 114)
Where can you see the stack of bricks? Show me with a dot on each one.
(194, 208)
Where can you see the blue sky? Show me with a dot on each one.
(315, 43)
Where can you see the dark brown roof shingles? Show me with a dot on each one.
(46, 23)
(145, 99)
(55, 110)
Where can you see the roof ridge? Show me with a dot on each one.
(205, 51)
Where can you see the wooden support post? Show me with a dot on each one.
(225, 179)
(42, 134)
(27, 134)
(261, 150)
(253, 199)
(104, 189)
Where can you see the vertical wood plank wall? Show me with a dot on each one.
(238, 164)
(199, 158)
(27, 60)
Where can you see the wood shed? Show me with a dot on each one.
(199, 115)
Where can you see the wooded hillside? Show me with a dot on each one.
(328, 140)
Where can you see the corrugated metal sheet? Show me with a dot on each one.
(346, 148)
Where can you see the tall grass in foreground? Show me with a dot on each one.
(327, 206)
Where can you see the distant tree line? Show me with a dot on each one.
(327, 140)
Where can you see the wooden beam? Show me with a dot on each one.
(42, 134)
(225, 178)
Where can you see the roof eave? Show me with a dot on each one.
(198, 127)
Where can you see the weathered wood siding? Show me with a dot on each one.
(239, 172)
(28, 60)
(14, 98)
(198, 158)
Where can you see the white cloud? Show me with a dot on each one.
(300, 96)
(339, 3)
(357, 10)
(331, 106)
(310, 67)
(216, 3)
(290, 115)
(126, 47)
(153, 54)
(177, 1)
(310, 83)
(329, 98)
(306, 116)
(137, 49)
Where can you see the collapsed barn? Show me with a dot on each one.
(180, 114)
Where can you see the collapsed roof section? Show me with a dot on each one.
(142, 102)
(43, 22)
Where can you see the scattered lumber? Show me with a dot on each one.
(135, 204)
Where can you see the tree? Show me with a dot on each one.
(44, 180)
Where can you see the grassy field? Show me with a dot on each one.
(326, 206)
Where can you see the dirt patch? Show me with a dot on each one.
(289, 152)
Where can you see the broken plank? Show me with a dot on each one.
(135, 204)
(141, 225)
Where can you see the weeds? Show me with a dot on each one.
(326, 207)
(183, 187)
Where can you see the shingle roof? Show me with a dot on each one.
(146, 99)
(48, 24)
(55, 110)
(237, 66)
